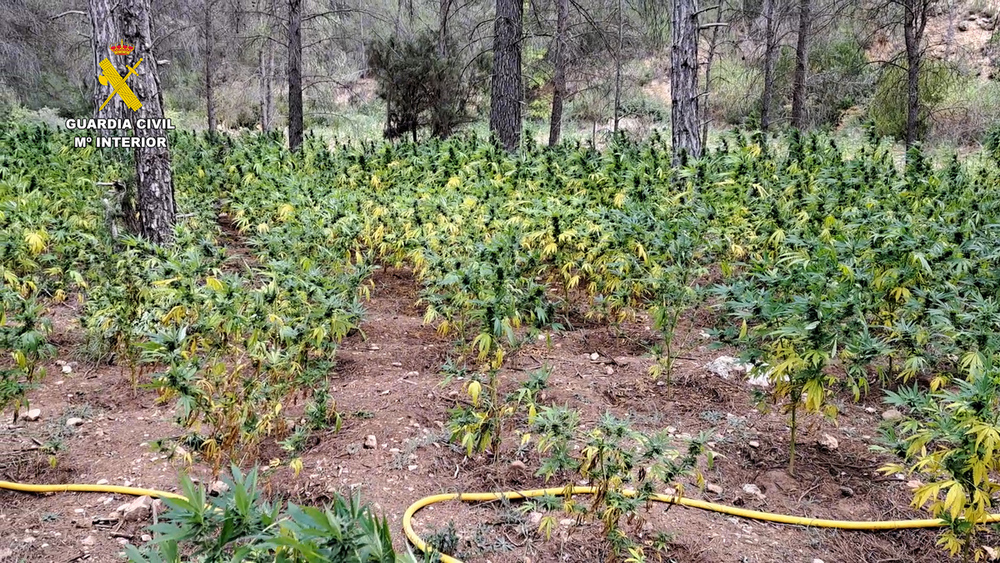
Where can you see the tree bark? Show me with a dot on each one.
(506, 88)
(770, 53)
(684, 82)
(559, 73)
(155, 205)
(801, 65)
(914, 22)
(618, 66)
(209, 101)
(712, 44)
(294, 74)
(105, 32)
(443, 9)
(266, 64)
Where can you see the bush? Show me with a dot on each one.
(888, 105)
(967, 112)
(735, 91)
(839, 80)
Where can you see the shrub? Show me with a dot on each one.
(888, 106)
(968, 110)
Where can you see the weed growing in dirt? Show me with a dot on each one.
(238, 525)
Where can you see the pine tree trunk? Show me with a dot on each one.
(443, 8)
(712, 44)
(506, 89)
(155, 205)
(618, 66)
(684, 82)
(105, 33)
(801, 65)
(914, 21)
(209, 101)
(559, 73)
(294, 74)
(770, 54)
(266, 72)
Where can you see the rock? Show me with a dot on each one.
(870, 410)
(988, 24)
(594, 356)
(412, 467)
(67, 369)
(892, 414)
(102, 481)
(218, 488)
(963, 26)
(411, 374)
(158, 507)
(535, 518)
(726, 366)
(88, 541)
(754, 490)
(817, 560)
(753, 444)
(32, 415)
(371, 442)
(567, 522)
(609, 370)
(846, 491)
(74, 422)
(828, 442)
(757, 376)
(714, 489)
(397, 364)
(914, 484)
(518, 464)
(29, 539)
(138, 510)
(146, 538)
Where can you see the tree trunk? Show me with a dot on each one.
(209, 102)
(618, 66)
(155, 194)
(266, 64)
(712, 44)
(684, 82)
(105, 32)
(444, 8)
(559, 74)
(801, 65)
(770, 54)
(914, 21)
(506, 89)
(294, 74)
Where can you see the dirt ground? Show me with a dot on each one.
(387, 384)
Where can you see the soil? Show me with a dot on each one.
(387, 383)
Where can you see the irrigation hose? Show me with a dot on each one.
(514, 495)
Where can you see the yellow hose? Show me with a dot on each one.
(692, 503)
(85, 488)
(555, 491)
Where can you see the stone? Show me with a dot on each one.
(892, 415)
(567, 522)
(870, 410)
(412, 467)
(88, 541)
(963, 26)
(518, 464)
(828, 442)
(726, 366)
(594, 356)
(846, 491)
(754, 490)
(67, 369)
(535, 518)
(371, 442)
(138, 510)
(411, 374)
(32, 415)
(817, 560)
(74, 422)
(397, 364)
(146, 538)
(218, 487)
(753, 444)
(714, 489)
(609, 370)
